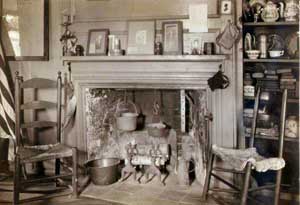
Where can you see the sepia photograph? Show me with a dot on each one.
(141, 35)
(149, 102)
(97, 42)
(172, 38)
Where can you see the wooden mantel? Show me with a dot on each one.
(163, 71)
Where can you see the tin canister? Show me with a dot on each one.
(263, 46)
(209, 48)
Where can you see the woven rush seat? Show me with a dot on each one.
(43, 152)
(238, 159)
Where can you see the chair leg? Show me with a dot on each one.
(277, 187)
(246, 185)
(75, 173)
(208, 176)
(57, 170)
(57, 166)
(17, 180)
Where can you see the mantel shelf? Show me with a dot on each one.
(145, 58)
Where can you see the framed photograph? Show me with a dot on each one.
(172, 38)
(97, 44)
(141, 36)
(226, 7)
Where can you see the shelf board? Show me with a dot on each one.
(289, 100)
(273, 60)
(146, 58)
(293, 100)
(288, 139)
(278, 23)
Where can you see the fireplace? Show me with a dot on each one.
(177, 84)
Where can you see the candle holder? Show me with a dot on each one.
(68, 39)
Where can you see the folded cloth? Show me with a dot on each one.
(238, 159)
(269, 164)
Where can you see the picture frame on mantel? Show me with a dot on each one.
(172, 36)
(141, 36)
(97, 44)
(19, 42)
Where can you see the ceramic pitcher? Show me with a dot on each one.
(270, 12)
(291, 10)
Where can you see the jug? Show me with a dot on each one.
(291, 10)
(270, 12)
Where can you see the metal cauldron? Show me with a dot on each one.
(104, 171)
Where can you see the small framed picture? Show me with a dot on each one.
(226, 7)
(97, 44)
(172, 38)
(141, 35)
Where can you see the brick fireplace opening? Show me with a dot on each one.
(183, 112)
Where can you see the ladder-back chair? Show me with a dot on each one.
(40, 153)
(249, 159)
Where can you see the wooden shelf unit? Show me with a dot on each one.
(283, 29)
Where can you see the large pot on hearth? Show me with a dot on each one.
(104, 171)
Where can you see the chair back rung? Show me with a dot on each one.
(38, 105)
(39, 124)
(39, 83)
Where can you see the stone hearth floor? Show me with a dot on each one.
(130, 192)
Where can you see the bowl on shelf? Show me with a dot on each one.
(276, 53)
(253, 54)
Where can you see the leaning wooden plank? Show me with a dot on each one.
(220, 169)
(45, 197)
(45, 179)
(6, 190)
(49, 191)
(39, 83)
(56, 152)
(39, 124)
(224, 190)
(5, 202)
(35, 105)
(269, 186)
(225, 182)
